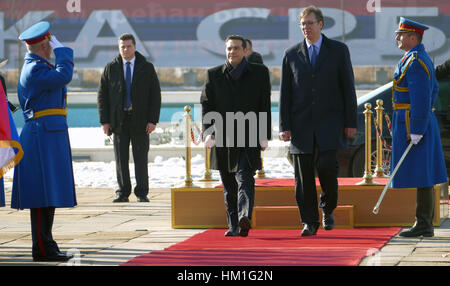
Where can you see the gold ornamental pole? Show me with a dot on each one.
(261, 174)
(367, 178)
(187, 117)
(379, 171)
(207, 175)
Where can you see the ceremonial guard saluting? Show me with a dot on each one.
(44, 179)
(414, 93)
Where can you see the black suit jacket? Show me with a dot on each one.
(250, 95)
(145, 94)
(317, 103)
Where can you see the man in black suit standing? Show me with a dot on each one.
(317, 112)
(129, 103)
(237, 125)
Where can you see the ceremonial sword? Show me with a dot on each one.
(377, 206)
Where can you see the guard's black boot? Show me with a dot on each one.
(424, 215)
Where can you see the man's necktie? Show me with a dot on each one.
(128, 83)
(313, 56)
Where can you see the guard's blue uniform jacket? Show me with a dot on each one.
(44, 178)
(414, 93)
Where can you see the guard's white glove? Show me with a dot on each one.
(54, 43)
(415, 138)
(264, 144)
(210, 141)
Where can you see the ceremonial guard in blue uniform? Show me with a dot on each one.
(44, 179)
(415, 89)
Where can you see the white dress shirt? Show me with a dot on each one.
(317, 46)
(125, 67)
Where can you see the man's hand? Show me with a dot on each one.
(209, 141)
(54, 43)
(285, 135)
(150, 127)
(349, 132)
(415, 138)
(107, 129)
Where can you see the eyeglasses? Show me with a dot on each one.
(307, 24)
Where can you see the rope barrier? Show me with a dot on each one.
(383, 141)
(199, 138)
(380, 135)
(389, 124)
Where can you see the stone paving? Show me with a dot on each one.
(101, 233)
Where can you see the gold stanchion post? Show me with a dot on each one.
(379, 171)
(261, 174)
(187, 117)
(367, 178)
(207, 175)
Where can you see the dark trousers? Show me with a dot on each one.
(41, 232)
(140, 145)
(239, 191)
(305, 185)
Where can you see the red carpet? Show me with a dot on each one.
(345, 247)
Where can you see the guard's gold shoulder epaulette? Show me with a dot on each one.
(415, 56)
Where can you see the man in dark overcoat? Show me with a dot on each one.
(237, 121)
(317, 112)
(129, 103)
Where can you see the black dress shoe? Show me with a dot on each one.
(143, 199)
(244, 226)
(310, 229)
(59, 256)
(328, 221)
(121, 199)
(418, 230)
(233, 231)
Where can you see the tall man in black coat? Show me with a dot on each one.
(129, 103)
(237, 125)
(317, 112)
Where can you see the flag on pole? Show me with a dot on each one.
(10, 149)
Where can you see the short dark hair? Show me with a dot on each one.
(126, 37)
(312, 9)
(249, 42)
(237, 37)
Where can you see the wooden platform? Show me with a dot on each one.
(275, 206)
(282, 217)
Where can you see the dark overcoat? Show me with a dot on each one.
(248, 97)
(146, 94)
(317, 103)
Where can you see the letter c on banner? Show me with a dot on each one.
(209, 28)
